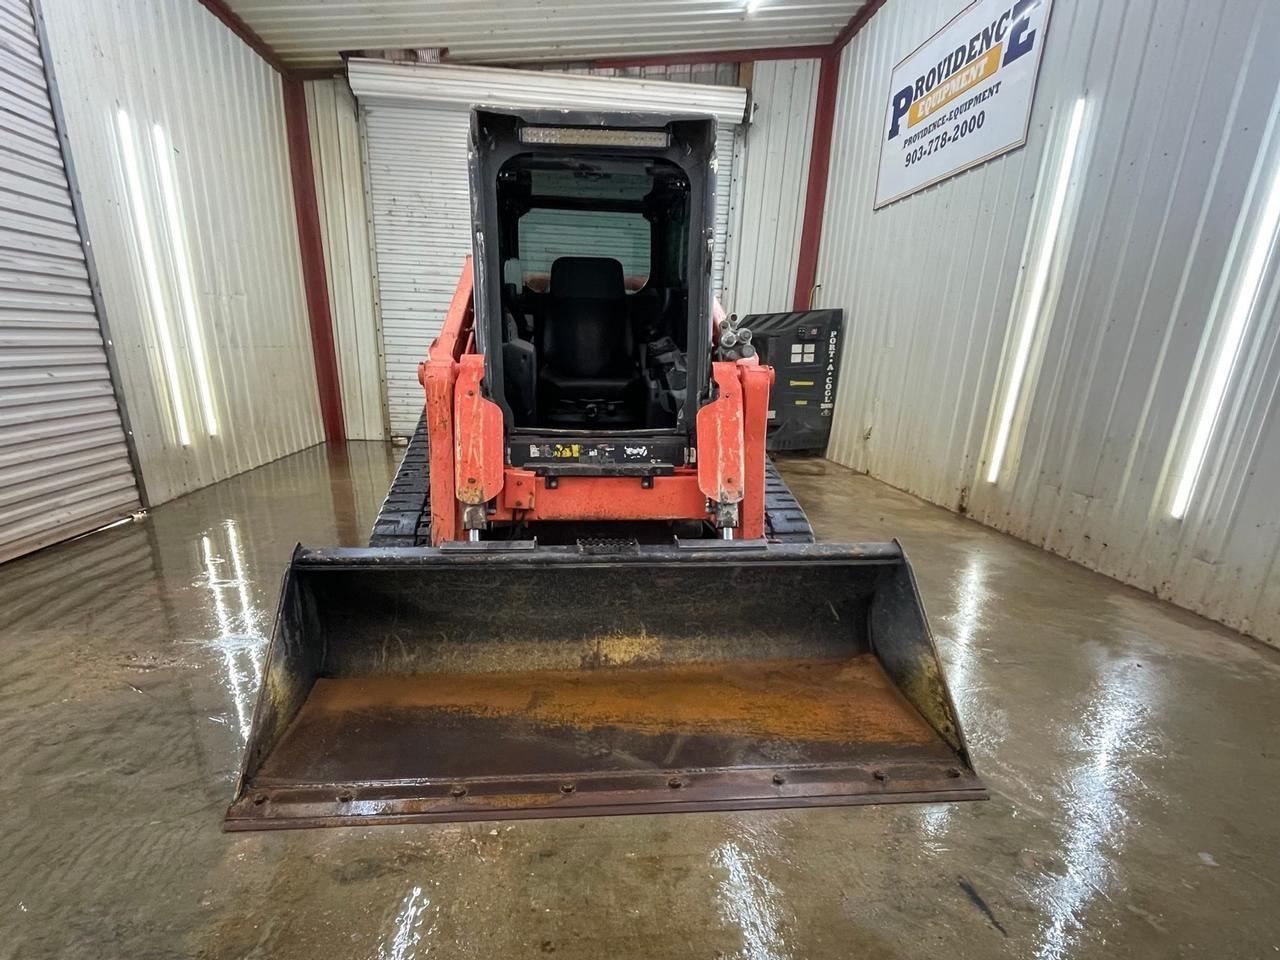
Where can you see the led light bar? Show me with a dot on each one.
(1030, 318)
(595, 137)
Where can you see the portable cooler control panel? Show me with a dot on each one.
(804, 350)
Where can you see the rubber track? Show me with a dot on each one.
(783, 515)
(405, 517)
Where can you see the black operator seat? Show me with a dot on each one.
(588, 349)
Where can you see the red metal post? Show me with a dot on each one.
(315, 281)
(720, 457)
(855, 24)
(478, 429)
(438, 374)
(756, 381)
(815, 198)
(232, 22)
(437, 379)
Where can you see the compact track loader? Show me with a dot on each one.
(588, 591)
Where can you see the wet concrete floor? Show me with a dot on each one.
(1131, 750)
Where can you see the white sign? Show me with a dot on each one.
(963, 97)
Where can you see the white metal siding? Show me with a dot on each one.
(64, 463)
(416, 126)
(1180, 97)
(336, 155)
(519, 31)
(171, 63)
(761, 275)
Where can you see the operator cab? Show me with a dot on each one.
(594, 293)
(589, 276)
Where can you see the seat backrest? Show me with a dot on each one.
(588, 332)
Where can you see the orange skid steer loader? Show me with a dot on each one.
(588, 590)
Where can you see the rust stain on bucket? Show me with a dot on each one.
(837, 700)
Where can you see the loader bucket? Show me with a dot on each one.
(464, 684)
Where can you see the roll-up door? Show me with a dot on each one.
(415, 121)
(64, 461)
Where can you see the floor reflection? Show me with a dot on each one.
(240, 639)
(749, 901)
(406, 933)
(1112, 735)
(972, 598)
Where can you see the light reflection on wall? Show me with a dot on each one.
(175, 229)
(152, 278)
(239, 639)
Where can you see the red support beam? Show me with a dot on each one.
(318, 73)
(858, 21)
(245, 32)
(815, 198)
(315, 280)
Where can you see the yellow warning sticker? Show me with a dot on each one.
(802, 383)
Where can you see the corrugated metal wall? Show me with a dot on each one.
(64, 463)
(1180, 98)
(761, 274)
(197, 246)
(336, 155)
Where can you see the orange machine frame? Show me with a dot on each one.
(467, 450)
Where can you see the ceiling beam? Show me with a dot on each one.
(855, 24)
(810, 52)
(246, 33)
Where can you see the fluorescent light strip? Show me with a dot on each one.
(1035, 296)
(151, 271)
(1244, 300)
(182, 266)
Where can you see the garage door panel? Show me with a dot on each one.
(65, 467)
